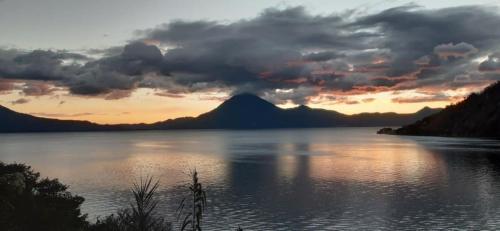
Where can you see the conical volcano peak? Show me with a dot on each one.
(246, 97)
(247, 101)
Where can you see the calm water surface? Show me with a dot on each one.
(307, 179)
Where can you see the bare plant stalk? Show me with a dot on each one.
(194, 216)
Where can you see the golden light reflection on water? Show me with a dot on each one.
(287, 166)
(376, 164)
(171, 169)
(175, 168)
(117, 164)
(330, 174)
(120, 162)
(367, 163)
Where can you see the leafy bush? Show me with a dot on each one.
(30, 203)
(141, 216)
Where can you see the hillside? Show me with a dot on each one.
(12, 121)
(476, 116)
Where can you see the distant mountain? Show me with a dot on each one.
(244, 111)
(11, 121)
(247, 111)
(476, 116)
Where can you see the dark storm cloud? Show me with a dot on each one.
(95, 77)
(120, 72)
(283, 55)
(288, 48)
(36, 65)
(278, 49)
(323, 56)
(141, 52)
(292, 27)
(491, 64)
(411, 33)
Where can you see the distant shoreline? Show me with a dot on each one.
(241, 112)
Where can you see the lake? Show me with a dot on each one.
(289, 179)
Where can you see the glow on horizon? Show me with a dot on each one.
(144, 106)
(110, 27)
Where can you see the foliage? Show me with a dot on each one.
(476, 116)
(30, 203)
(196, 203)
(141, 216)
(113, 222)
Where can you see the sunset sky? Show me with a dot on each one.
(131, 61)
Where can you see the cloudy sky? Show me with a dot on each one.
(128, 61)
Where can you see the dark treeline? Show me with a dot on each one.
(476, 116)
(29, 202)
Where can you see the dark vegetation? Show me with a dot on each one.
(12, 121)
(243, 111)
(193, 206)
(476, 116)
(142, 214)
(29, 203)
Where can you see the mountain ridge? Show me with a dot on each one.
(243, 111)
(476, 116)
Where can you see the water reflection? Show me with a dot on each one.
(310, 179)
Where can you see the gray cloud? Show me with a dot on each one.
(61, 115)
(368, 100)
(323, 56)
(6, 86)
(491, 64)
(283, 55)
(36, 65)
(410, 32)
(421, 99)
(141, 52)
(37, 88)
(20, 101)
(458, 50)
(110, 51)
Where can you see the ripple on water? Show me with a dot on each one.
(295, 179)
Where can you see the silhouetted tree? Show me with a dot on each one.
(30, 203)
